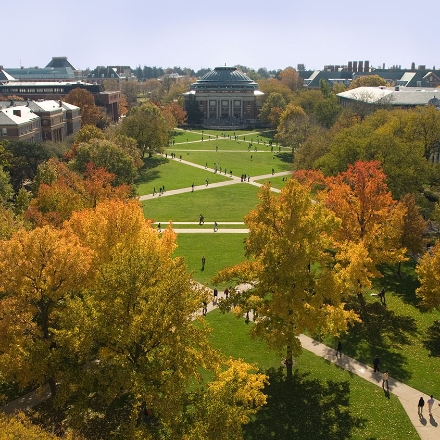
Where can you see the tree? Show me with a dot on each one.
(61, 192)
(272, 85)
(19, 426)
(145, 341)
(274, 100)
(371, 226)
(108, 155)
(147, 125)
(294, 285)
(429, 278)
(290, 77)
(219, 410)
(39, 269)
(367, 81)
(90, 113)
(130, 89)
(87, 133)
(424, 127)
(178, 112)
(293, 128)
(414, 227)
(23, 161)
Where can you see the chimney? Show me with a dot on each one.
(355, 66)
(367, 66)
(361, 66)
(350, 66)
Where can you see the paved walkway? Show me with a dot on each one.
(427, 427)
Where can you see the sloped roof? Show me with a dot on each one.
(224, 78)
(60, 62)
(7, 116)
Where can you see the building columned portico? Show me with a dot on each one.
(225, 98)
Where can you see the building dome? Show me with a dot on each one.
(224, 78)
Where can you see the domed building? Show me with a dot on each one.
(224, 98)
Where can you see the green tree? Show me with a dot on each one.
(274, 100)
(367, 81)
(294, 127)
(108, 155)
(294, 286)
(147, 125)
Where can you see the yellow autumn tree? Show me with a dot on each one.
(290, 267)
(39, 270)
(429, 277)
(146, 345)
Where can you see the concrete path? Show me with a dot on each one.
(427, 427)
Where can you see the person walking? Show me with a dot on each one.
(204, 308)
(192, 187)
(215, 227)
(385, 380)
(339, 349)
(203, 262)
(430, 404)
(226, 293)
(376, 362)
(420, 406)
(158, 227)
(215, 293)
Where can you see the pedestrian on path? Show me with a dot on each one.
(204, 308)
(420, 407)
(226, 293)
(207, 181)
(215, 227)
(158, 227)
(385, 380)
(430, 405)
(154, 191)
(339, 349)
(203, 262)
(192, 187)
(215, 293)
(376, 362)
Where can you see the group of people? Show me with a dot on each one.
(421, 405)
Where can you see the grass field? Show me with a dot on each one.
(322, 401)
(227, 203)
(406, 339)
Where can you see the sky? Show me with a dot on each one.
(210, 33)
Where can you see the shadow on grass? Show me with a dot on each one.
(303, 408)
(285, 157)
(404, 285)
(148, 172)
(380, 331)
(432, 340)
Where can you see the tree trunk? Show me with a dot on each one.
(289, 363)
(52, 386)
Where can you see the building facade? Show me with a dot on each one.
(38, 121)
(225, 97)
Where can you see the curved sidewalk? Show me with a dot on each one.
(428, 429)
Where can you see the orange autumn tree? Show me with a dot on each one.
(371, 221)
(62, 192)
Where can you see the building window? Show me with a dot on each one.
(4, 131)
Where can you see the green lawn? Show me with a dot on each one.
(220, 251)
(322, 401)
(227, 203)
(406, 339)
(173, 174)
